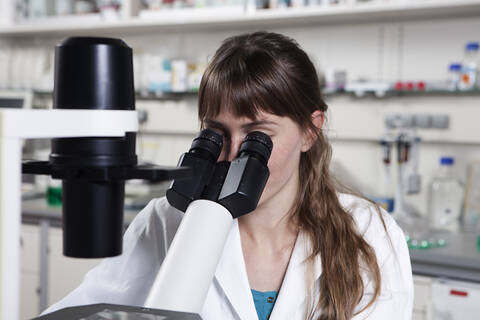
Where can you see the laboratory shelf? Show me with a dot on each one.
(192, 20)
(411, 93)
(165, 96)
(140, 95)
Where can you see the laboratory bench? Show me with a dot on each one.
(459, 259)
(48, 276)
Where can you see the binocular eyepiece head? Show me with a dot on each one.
(236, 185)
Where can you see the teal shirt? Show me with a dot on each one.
(264, 302)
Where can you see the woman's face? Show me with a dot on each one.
(288, 143)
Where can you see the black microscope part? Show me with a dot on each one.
(257, 144)
(202, 158)
(247, 175)
(95, 73)
(209, 143)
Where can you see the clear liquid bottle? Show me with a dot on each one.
(454, 76)
(470, 67)
(445, 198)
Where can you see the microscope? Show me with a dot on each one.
(92, 126)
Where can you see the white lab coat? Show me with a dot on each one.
(127, 279)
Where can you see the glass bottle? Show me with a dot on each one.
(445, 198)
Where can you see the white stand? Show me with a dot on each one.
(191, 261)
(16, 125)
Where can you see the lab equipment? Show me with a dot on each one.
(71, 124)
(179, 75)
(414, 181)
(454, 76)
(104, 311)
(445, 197)
(471, 214)
(195, 243)
(403, 145)
(94, 73)
(385, 199)
(470, 67)
(202, 156)
(201, 236)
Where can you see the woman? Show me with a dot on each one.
(307, 251)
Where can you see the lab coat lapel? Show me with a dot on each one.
(231, 274)
(293, 290)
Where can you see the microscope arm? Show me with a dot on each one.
(191, 261)
(16, 125)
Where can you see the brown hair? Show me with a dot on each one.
(270, 72)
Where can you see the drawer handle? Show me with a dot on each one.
(458, 293)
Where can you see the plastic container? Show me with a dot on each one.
(454, 76)
(470, 67)
(445, 198)
(54, 193)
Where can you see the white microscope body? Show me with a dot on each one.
(16, 125)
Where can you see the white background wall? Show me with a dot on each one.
(416, 50)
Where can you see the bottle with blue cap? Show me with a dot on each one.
(454, 76)
(445, 197)
(469, 78)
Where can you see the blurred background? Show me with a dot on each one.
(401, 78)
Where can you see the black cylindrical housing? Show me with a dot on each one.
(92, 218)
(94, 152)
(93, 73)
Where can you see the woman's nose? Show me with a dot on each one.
(231, 150)
(232, 153)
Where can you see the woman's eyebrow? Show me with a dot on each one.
(219, 125)
(215, 124)
(258, 123)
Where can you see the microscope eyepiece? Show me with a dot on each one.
(210, 141)
(202, 157)
(258, 143)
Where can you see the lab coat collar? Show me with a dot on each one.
(231, 274)
(293, 292)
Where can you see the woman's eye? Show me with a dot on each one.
(271, 135)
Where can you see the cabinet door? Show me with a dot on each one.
(422, 297)
(455, 300)
(64, 273)
(29, 272)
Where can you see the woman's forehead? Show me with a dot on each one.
(226, 116)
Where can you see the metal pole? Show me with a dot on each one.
(43, 289)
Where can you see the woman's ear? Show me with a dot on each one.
(318, 118)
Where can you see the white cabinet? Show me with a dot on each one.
(443, 299)
(455, 300)
(64, 274)
(423, 297)
(29, 282)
